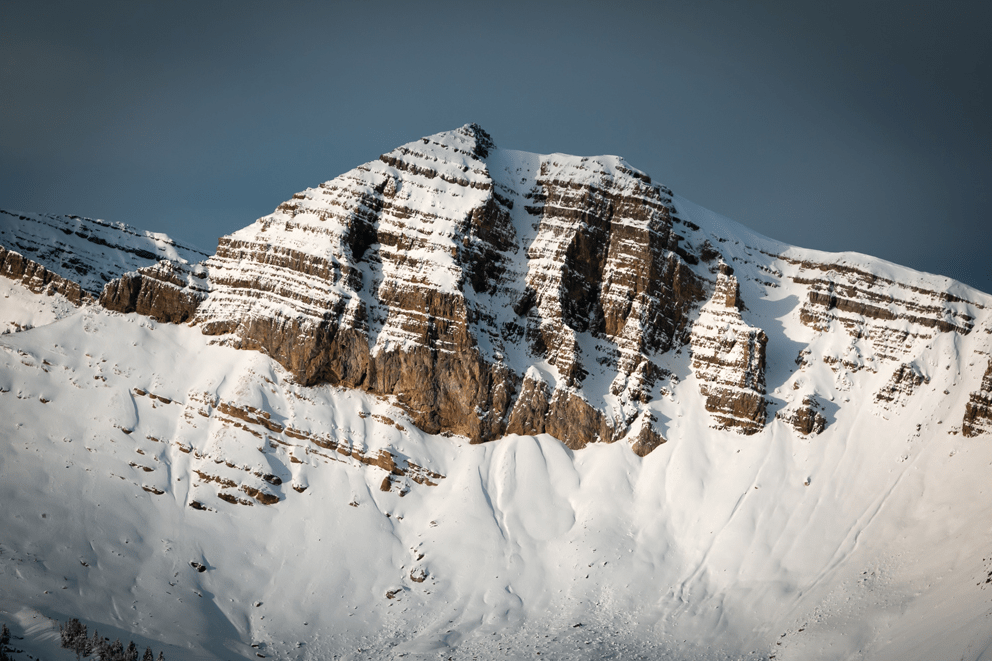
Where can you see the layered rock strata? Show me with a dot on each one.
(901, 385)
(728, 359)
(439, 273)
(978, 410)
(603, 262)
(38, 279)
(805, 417)
(167, 291)
(77, 256)
(889, 314)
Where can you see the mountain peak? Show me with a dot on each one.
(666, 399)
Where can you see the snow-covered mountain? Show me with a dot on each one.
(471, 402)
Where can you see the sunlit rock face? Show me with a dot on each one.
(76, 257)
(978, 411)
(728, 359)
(493, 292)
(441, 272)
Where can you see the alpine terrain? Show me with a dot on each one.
(466, 402)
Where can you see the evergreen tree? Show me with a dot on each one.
(103, 649)
(116, 651)
(131, 653)
(161, 656)
(148, 655)
(4, 641)
(73, 636)
(93, 644)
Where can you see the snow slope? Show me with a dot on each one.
(871, 540)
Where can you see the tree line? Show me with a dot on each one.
(75, 638)
(4, 644)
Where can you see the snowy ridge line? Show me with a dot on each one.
(86, 252)
(718, 226)
(243, 481)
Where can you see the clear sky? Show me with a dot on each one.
(840, 126)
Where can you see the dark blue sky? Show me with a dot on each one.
(840, 126)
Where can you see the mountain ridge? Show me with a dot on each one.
(540, 262)
(785, 460)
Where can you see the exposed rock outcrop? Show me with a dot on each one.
(602, 262)
(728, 359)
(978, 410)
(901, 385)
(646, 438)
(167, 291)
(876, 308)
(77, 256)
(39, 279)
(805, 417)
(531, 408)
(440, 272)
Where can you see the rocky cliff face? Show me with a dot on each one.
(489, 292)
(167, 291)
(889, 314)
(76, 256)
(442, 272)
(978, 412)
(728, 359)
(38, 279)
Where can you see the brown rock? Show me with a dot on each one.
(728, 359)
(876, 308)
(393, 308)
(647, 438)
(573, 421)
(901, 385)
(805, 418)
(978, 410)
(166, 292)
(530, 410)
(260, 496)
(38, 279)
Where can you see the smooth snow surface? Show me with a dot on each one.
(872, 540)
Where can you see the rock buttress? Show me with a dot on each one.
(805, 417)
(361, 282)
(38, 279)
(420, 275)
(728, 360)
(978, 410)
(168, 291)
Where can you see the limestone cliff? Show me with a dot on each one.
(488, 292)
(728, 359)
(978, 411)
(77, 256)
(167, 291)
(441, 272)
(891, 315)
